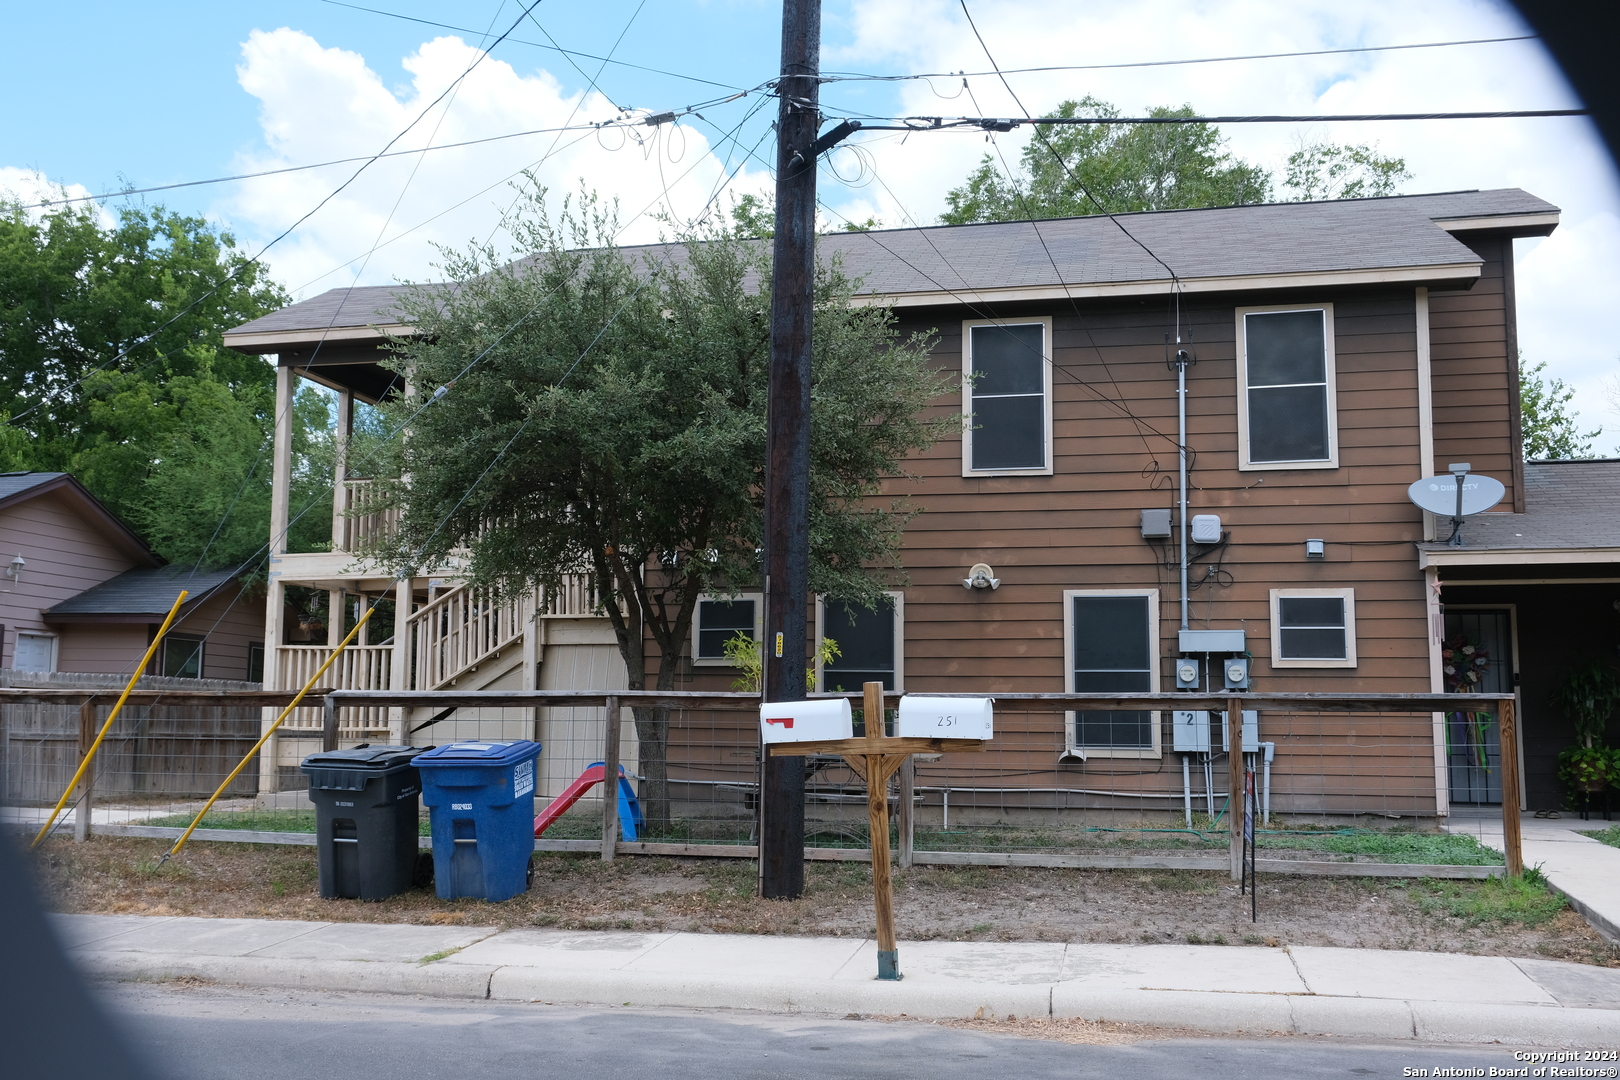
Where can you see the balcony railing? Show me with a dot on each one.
(360, 520)
(360, 667)
(461, 629)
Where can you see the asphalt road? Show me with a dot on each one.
(206, 1033)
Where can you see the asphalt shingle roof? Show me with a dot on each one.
(1235, 241)
(1568, 504)
(143, 591)
(15, 483)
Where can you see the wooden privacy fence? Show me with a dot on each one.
(162, 745)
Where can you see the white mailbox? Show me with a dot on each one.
(945, 718)
(806, 721)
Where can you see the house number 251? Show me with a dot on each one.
(946, 721)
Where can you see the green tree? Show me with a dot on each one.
(113, 368)
(1550, 429)
(616, 424)
(1124, 167)
(1328, 171)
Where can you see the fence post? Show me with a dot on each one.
(1508, 739)
(1234, 785)
(904, 819)
(87, 738)
(610, 779)
(329, 726)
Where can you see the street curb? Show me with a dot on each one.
(926, 999)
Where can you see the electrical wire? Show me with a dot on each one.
(848, 76)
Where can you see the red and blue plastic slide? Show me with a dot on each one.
(631, 823)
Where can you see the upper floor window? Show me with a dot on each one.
(870, 640)
(1287, 405)
(1113, 647)
(1007, 397)
(719, 619)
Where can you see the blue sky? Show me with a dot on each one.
(177, 91)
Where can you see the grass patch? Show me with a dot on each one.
(1610, 836)
(1525, 900)
(440, 955)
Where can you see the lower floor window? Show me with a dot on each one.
(1313, 628)
(182, 656)
(870, 640)
(1112, 646)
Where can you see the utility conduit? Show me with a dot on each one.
(90, 754)
(264, 738)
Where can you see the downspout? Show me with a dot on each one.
(1181, 362)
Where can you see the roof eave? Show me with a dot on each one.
(1447, 274)
(1428, 557)
(1512, 224)
(269, 341)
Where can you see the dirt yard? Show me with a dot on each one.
(115, 875)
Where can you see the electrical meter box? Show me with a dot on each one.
(1190, 734)
(1251, 732)
(945, 718)
(1189, 672)
(806, 721)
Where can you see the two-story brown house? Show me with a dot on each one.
(1336, 353)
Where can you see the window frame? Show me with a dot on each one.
(759, 624)
(899, 599)
(1330, 373)
(1155, 639)
(1045, 322)
(199, 640)
(1347, 595)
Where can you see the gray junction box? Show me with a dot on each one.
(1192, 734)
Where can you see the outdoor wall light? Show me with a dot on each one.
(14, 571)
(1316, 549)
(981, 577)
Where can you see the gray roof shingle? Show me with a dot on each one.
(143, 591)
(1233, 241)
(1568, 504)
(15, 483)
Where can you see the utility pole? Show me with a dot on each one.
(787, 470)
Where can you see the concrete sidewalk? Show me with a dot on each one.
(1587, 871)
(1351, 992)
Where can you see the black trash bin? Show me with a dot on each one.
(366, 815)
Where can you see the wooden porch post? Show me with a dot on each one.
(275, 599)
(1508, 735)
(399, 667)
(340, 471)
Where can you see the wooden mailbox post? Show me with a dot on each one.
(875, 757)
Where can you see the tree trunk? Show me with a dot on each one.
(652, 732)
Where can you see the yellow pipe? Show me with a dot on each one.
(271, 730)
(90, 754)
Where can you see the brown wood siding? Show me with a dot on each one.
(1475, 372)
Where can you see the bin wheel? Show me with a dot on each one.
(424, 870)
(528, 876)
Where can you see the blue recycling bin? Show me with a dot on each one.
(480, 799)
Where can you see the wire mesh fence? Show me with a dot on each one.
(1355, 787)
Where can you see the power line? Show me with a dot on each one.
(843, 76)
(1001, 123)
(535, 44)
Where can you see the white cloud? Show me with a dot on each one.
(29, 187)
(318, 104)
(1567, 284)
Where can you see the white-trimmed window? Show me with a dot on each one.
(871, 644)
(1007, 397)
(1111, 645)
(1287, 403)
(721, 618)
(34, 652)
(1313, 628)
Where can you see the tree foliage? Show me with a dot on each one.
(1549, 427)
(1123, 167)
(113, 367)
(616, 424)
(1328, 171)
(1073, 171)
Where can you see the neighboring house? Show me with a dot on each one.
(1343, 350)
(83, 593)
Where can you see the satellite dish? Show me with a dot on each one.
(1438, 494)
